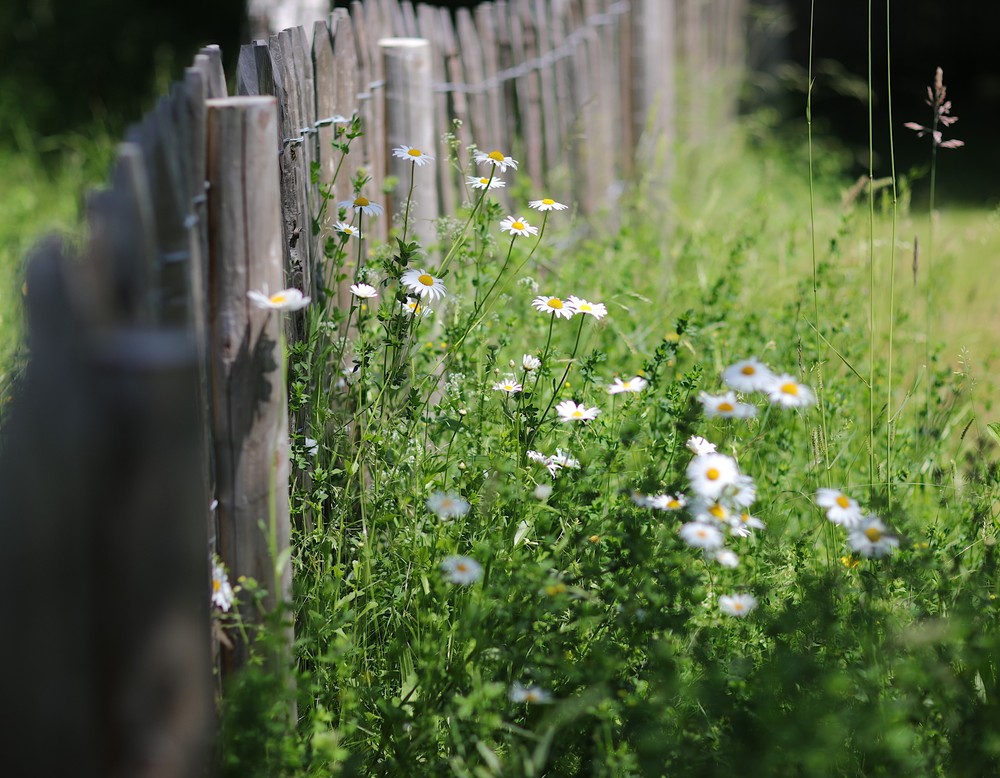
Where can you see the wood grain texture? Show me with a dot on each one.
(250, 409)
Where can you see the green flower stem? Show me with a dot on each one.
(461, 238)
(409, 199)
(556, 387)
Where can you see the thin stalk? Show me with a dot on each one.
(892, 261)
(871, 262)
(409, 199)
(461, 238)
(821, 385)
(556, 387)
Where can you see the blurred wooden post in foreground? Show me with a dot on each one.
(250, 402)
(409, 101)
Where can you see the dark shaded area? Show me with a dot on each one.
(67, 63)
(958, 36)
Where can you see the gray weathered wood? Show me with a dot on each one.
(250, 406)
(448, 188)
(408, 94)
(524, 48)
(493, 108)
(455, 74)
(470, 54)
(215, 75)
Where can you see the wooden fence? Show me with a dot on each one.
(154, 388)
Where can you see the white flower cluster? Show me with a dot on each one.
(555, 462)
(752, 375)
(866, 534)
(719, 508)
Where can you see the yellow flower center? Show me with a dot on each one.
(415, 153)
(873, 534)
(517, 225)
(718, 511)
(744, 517)
(496, 156)
(461, 567)
(738, 606)
(582, 307)
(277, 299)
(548, 201)
(216, 584)
(594, 538)
(577, 414)
(843, 502)
(361, 202)
(555, 302)
(426, 280)
(748, 370)
(726, 407)
(674, 505)
(790, 388)
(484, 181)
(531, 696)
(712, 474)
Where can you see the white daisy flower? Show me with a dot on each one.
(411, 154)
(635, 384)
(785, 391)
(701, 535)
(579, 305)
(554, 305)
(413, 307)
(698, 445)
(871, 539)
(423, 284)
(726, 406)
(713, 512)
(484, 182)
(461, 570)
(748, 375)
(737, 604)
(348, 229)
(530, 362)
(570, 411)
(546, 204)
(509, 386)
(539, 457)
(742, 524)
(742, 493)
(517, 226)
(311, 445)
(667, 502)
(285, 300)
(530, 694)
(563, 459)
(364, 291)
(447, 505)
(840, 509)
(724, 557)
(222, 592)
(497, 159)
(710, 474)
(363, 205)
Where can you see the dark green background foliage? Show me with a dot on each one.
(64, 64)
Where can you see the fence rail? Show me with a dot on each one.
(154, 387)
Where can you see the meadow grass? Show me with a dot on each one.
(44, 181)
(482, 589)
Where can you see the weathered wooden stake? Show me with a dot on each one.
(409, 101)
(249, 396)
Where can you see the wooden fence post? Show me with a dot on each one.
(249, 394)
(654, 72)
(409, 100)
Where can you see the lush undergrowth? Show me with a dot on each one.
(490, 582)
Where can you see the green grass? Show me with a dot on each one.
(44, 181)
